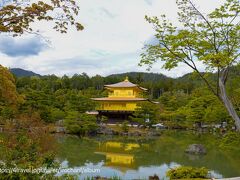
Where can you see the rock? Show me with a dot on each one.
(59, 123)
(135, 133)
(124, 133)
(153, 133)
(154, 177)
(105, 130)
(196, 149)
(60, 130)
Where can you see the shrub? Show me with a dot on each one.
(30, 147)
(125, 127)
(187, 172)
(231, 140)
(81, 124)
(56, 114)
(7, 113)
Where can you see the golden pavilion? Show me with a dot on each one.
(122, 99)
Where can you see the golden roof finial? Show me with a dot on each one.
(126, 79)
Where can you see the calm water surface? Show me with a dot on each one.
(135, 158)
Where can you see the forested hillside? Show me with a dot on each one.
(183, 101)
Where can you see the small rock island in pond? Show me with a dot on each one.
(197, 149)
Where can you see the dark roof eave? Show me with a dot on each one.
(139, 87)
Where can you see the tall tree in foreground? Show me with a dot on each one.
(211, 39)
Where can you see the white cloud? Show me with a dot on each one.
(111, 42)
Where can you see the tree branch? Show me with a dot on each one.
(191, 66)
(208, 23)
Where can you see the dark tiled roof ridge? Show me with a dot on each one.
(124, 84)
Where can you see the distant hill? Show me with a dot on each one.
(140, 76)
(22, 73)
(234, 72)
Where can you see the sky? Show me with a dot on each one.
(114, 34)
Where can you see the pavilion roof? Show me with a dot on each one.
(124, 84)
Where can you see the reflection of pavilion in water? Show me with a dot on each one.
(118, 154)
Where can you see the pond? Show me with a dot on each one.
(139, 158)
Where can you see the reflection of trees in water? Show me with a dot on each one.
(166, 149)
(170, 148)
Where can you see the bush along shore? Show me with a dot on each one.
(117, 129)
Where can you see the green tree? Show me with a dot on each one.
(57, 114)
(37, 101)
(81, 124)
(97, 82)
(211, 39)
(8, 92)
(174, 100)
(104, 119)
(9, 97)
(125, 126)
(146, 114)
(236, 99)
(65, 82)
(179, 110)
(205, 109)
(7, 113)
(77, 102)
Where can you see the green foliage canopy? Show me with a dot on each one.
(213, 39)
(81, 124)
(185, 172)
(146, 113)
